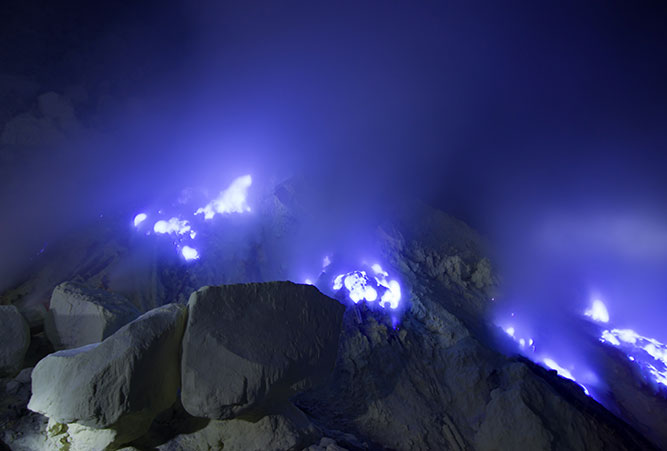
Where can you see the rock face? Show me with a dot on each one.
(289, 429)
(248, 348)
(14, 340)
(435, 382)
(80, 315)
(431, 381)
(119, 384)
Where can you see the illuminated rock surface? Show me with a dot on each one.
(434, 382)
(288, 429)
(248, 348)
(14, 340)
(80, 315)
(119, 384)
(428, 378)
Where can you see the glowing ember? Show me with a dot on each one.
(231, 200)
(598, 312)
(138, 219)
(189, 253)
(173, 225)
(362, 287)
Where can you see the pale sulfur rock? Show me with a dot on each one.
(14, 340)
(326, 444)
(119, 384)
(288, 430)
(250, 347)
(79, 315)
(76, 437)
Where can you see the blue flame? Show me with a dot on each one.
(649, 354)
(138, 219)
(598, 312)
(359, 286)
(231, 200)
(172, 226)
(189, 253)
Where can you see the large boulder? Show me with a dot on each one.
(248, 348)
(119, 384)
(14, 340)
(289, 429)
(80, 315)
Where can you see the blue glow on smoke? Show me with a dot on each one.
(234, 199)
(182, 226)
(370, 284)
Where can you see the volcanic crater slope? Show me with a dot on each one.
(278, 365)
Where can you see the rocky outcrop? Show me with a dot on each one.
(426, 386)
(288, 429)
(80, 315)
(14, 340)
(248, 348)
(114, 389)
(434, 380)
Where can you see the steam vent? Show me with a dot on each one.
(329, 226)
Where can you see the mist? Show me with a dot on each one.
(542, 127)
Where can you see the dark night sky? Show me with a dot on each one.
(460, 101)
(519, 117)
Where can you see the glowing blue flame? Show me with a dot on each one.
(138, 219)
(338, 282)
(563, 372)
(522, 341)
(173, 225)
(231, 200)
(598, 312)
(393, 294)
(189, 253)
(360, 287)
(648, 353)
(377, 269)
